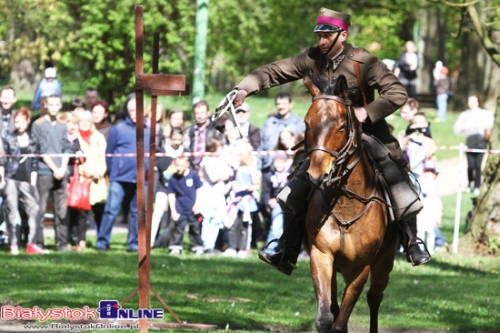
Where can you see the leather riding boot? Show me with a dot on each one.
(411, 243)
(290, 243)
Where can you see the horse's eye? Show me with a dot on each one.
(342, 127)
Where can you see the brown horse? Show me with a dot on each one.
(347, 219)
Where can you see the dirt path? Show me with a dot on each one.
(449, 178)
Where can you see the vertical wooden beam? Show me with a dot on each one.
(152, 146)
(143, 255)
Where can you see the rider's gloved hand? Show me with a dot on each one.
(240, 98)
(361, 114)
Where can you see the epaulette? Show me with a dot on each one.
(362, 56)
(40, 120)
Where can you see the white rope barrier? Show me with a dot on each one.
(460, 147)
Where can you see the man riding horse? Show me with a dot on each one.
(365, 73)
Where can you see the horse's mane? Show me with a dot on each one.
(325, 86)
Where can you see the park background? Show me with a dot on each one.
(91, 43)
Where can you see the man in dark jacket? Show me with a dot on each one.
(122, 179)
(195, 138)
(326, 62)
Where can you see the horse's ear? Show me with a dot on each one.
(311, 86)
(341, 87)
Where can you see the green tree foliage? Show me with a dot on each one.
(93, 41)
(102, 52)
(36, 30)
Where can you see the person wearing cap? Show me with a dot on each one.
(48, 86)
(333, 57)
(248, 131)
(442, 85)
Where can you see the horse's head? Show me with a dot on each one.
(330, 130)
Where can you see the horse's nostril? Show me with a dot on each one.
(317, 181)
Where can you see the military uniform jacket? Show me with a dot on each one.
(374, 76)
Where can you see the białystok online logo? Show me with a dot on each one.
(108, 309)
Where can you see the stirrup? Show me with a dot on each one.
(280, 260)
(424, 254)
(270, 242)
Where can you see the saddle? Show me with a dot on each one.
(398, 185)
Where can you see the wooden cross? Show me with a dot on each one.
(158, 84)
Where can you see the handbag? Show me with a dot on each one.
(78, 192)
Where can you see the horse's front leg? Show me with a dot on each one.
(379, 279)
(354, 287)
(334, 307)
(322, 274)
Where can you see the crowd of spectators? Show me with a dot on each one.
(206, 181)
(214, 182)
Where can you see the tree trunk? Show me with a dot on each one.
(482, 58)
(485, 227)
(23, 75)
(478, 72)
(427, 40)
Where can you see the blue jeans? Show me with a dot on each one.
(440, 240)
(121, 195)
(209, 232)
(442, 106)
(276, 228)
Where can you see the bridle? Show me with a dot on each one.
(337, 171)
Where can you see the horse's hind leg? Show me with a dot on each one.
(378, 282)
(354, 287)
(322, 271)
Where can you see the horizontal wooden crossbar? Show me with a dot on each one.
(161, 83)
(170, 92)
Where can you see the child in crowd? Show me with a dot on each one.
(430, 216)
(246, 185)
(18, 182)
(183, 195)
(273, 182)
(214, 172)
(52, 137)
(286, 141)
(173, 149)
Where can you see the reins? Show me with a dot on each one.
(344, 164)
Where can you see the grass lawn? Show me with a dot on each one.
(451, 292)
